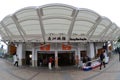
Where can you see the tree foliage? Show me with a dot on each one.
(119, 40)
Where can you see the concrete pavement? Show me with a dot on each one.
(9, 72)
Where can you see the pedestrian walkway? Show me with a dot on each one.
(9, 72)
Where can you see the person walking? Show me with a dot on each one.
(50, 63)
(15, 60)
(102, 59)
(118, 50)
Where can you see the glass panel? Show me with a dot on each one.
(105, 22)
(7, 20)
(56, 25)
(32, 30)
(27, 14)
(82, 27)
(108, 32)
(56, 29)
(113, 26)
(13, 29)
(31, 27)
(60, 10)
(1, 26)
(85, 14)
(99, 29)
(2, 29)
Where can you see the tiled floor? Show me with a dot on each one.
(9, 72)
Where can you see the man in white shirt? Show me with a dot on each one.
(15, 60)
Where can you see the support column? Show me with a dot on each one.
(95, 48)
(21, 53)
(110, 50)
(112, 45)
(78, 53)
(76, 58)
(34, 58)
(107, 49)
(56, 59)
(91, 50)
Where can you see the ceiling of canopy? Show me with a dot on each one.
(57, 23)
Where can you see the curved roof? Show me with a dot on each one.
(57, 23)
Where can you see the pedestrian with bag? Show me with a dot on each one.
(15, 60)
(50, 63)
(102, 59)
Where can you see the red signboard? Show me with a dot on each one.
(12, 49)
(45, 47)
(66, 47)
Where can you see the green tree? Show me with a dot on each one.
(119, 40)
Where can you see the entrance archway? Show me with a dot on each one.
(66, 58)
(43, 57)
(28, 58)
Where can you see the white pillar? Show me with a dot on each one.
(34, 58)
(112, 45)
(91, 50)
(21, 53)
(56, 59)
(79, 56)
(76, 57)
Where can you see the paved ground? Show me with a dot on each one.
(9, 72)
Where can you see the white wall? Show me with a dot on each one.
(91, 50)
(20, 52)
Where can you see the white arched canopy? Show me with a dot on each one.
(57, 23)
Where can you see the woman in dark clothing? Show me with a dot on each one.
(118, 50)
(102, 59)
